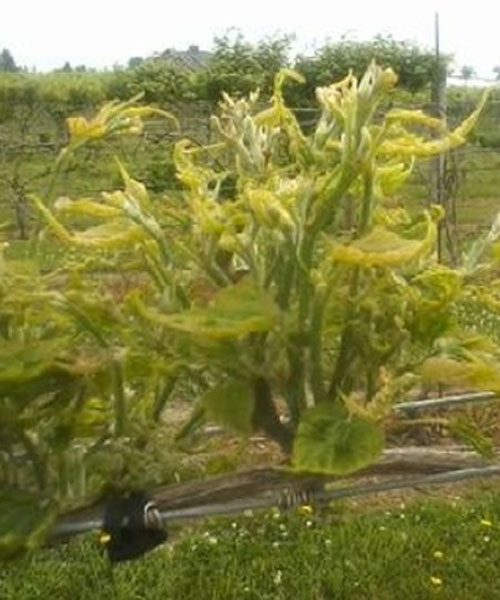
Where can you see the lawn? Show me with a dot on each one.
(430, 549)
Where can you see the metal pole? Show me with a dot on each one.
(439, 102)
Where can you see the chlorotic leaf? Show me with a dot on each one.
(475, 373)
(383, 248)
(86, 207)
(115, 234)
(231, 404)
(413, 117)
(134, 189)
(80, 129)
(330, 440)
(415, 146)
(236, 311)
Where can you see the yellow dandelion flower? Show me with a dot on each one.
(306, 510)
(436, 581)
(438, 554)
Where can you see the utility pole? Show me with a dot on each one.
(439, 106)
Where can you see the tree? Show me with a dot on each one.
(66, 68)
(238, 67)
(466, 73)
(7, 62)
(416, 68)
(496, 70)
(160, 80)
(135, 61)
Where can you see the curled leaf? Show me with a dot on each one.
(236, 311)
(135, 190)
(113, 118)
(85, 207)
(414, 146)
(413, 117)
(385, 248)
(475, 373)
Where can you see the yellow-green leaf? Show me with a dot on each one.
(384, 248)
(476, 373)
(134, 189)
(330, 440)
(80, 129)
(414, 146)
(413, 117)
(231, 404)
(86, 207)
(235, 311)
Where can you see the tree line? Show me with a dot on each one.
(237, 67)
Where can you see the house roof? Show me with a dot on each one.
(192, 59)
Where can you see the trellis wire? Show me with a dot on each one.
(246, 504)
(442, 403)
(241, 505)
(446, 402)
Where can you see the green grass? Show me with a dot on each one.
(430, 550)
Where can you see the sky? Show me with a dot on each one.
(102, 33)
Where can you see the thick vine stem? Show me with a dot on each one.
(266, 416)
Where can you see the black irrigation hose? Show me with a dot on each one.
(281, 500)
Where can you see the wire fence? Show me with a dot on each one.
(470, 178)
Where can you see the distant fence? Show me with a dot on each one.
(471, 176)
